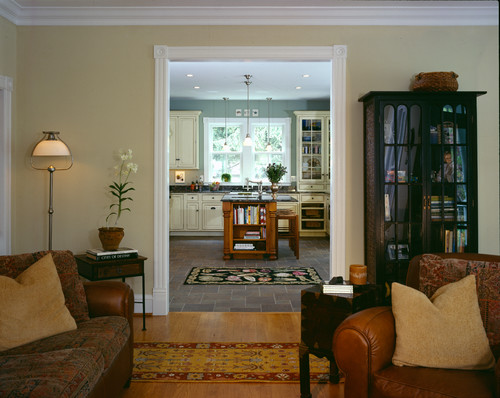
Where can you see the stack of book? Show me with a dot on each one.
(344, 288)
(252, 235)
(244, 246)
(120, 253)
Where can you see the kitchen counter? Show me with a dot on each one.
(255, 198)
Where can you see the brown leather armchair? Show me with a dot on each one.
(364, 344)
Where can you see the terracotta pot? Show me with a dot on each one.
(111, 237)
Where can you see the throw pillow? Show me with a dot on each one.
(443, 332)
(32, 305)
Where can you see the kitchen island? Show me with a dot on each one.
(250, 226)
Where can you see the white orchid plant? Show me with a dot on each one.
(120, 188)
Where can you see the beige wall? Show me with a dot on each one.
(96, 86)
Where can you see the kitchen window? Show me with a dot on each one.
(240, 161)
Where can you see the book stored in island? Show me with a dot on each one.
(120, 253)
(252, 235)
(244, 246)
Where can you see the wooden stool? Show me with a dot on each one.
(291, 233)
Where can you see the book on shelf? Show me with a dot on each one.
(120, 253)
(252, 235)
(244, 246)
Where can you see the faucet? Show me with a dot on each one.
(259, 185)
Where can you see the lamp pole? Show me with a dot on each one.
(51, 170)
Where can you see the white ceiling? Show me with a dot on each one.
(278, 80)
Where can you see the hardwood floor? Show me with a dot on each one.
(223, 327)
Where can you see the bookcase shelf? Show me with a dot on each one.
(249, 223)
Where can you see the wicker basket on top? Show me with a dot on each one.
(435, 81)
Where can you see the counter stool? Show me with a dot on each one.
(292, 232)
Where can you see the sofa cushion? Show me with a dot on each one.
(63, 373)
(32, 305)
(432, 383)
(443, 332)
(105, 335)
(72, 285)
(436, 271)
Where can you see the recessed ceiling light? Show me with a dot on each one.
(298, 88)
(306, 75)
(196, 87)
(189, 75)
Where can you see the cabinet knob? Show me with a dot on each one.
(212, 208)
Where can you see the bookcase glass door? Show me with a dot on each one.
(449, 146)
(403, 196)
(311, 149)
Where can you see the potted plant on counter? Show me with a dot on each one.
(274, 173)
(120, 190)
(226, 177)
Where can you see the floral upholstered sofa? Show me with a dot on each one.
(85, 348)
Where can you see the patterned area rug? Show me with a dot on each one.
(224, 362)
(253, 276)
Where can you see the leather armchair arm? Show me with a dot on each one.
(110, 298)
(363, 344)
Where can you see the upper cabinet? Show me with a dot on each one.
(184, 139)
(313, 138)
(420, 178)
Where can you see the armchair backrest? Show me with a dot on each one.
(428, 272)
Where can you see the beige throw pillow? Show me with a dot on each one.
(32, 305)
(443, 332)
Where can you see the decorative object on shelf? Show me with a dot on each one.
(248, 140)
(435, 81)
(269, 147)
(226, 177)
(275, 172)
(214, 186)
(111, 236)
(357, 274)
(225, 147)
(51, 154)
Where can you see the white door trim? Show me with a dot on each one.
(337, 55)
(6, 86)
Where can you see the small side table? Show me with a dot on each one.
(321, 314)
(112, 269)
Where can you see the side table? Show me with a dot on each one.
(321, 314)
(112, 269)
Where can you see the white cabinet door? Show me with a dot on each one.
(184, 139)
(213, 219)
(192, 216)
(176, 212)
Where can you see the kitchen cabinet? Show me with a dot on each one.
(176, 207)
(312, 214)
(313, 138)
(420, 178)
(184, 139)
(192, 212)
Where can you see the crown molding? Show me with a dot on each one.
(259, 12)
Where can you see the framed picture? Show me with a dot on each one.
(180, 177)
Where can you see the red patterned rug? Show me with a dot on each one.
(222, 362)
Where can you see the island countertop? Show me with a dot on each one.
(264, 198)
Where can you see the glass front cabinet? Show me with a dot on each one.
(420, 178)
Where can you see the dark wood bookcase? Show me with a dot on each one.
(420, 178)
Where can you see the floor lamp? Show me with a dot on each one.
(49, 151)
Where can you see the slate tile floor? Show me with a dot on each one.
(189, 252)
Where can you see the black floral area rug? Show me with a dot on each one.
(253, 276)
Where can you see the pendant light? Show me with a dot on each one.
(248, 140)
(268, 146)
(225, 147)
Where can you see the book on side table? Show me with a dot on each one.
(337, 285)
(120, 253)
